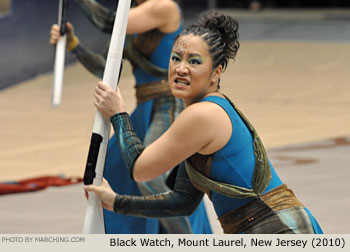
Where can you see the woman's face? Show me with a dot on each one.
(191, 76)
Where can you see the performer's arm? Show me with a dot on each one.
(193, 131)
(93, 62)
(129, 143)
(181, 201)
(144, 17)
(100, 16)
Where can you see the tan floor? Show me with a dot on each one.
(293, 92)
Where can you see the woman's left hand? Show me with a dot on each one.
(104, 192)
(108, 101)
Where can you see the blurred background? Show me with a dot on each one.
(24, 26)
(290, 78)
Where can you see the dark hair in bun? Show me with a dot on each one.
(220, 32)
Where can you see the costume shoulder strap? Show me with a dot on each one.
(140, 60)
(262, 171)
(261, 176)
(204, 183)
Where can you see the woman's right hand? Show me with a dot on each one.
(108, 101)
(55, 33)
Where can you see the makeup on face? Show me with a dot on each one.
(193, 58)
(181, 45)
(190, 69)
(188, 51)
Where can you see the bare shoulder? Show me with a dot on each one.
(206, 115)
(163, 15)
(210, 122)
(163, 6)
(205, 110)
(168, 11)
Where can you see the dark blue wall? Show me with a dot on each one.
(25, 51)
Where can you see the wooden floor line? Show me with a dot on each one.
(45, 146)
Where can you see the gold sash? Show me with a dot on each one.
(152, 90)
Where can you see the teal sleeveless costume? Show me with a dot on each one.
(235, 165)
(247, 194)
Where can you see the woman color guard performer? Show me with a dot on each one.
(218, 150)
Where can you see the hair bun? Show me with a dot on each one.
(225, 26)
(220, 33)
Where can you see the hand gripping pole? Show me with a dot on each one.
(60, 54)
(94, 222)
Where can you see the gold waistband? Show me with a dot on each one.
(152, 90)
(281, 198)
(277, 199)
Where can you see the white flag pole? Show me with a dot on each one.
(94, 222)
(60, 54)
